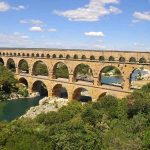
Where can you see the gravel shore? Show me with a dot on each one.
(45, 105)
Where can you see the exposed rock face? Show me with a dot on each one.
(45, 105)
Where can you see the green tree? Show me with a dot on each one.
(83, 69)
(24, 66)
(40, 69)
(7, 81)
(62, 71)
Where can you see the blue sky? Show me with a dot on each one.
(76, 24)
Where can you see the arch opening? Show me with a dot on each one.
(83, 73)
(1, 62)
(42, 55)
(60, 56)
(83, 57)
(60, 91)
(111, 75)
(23, 54)
(37, 55)
(40, 88)
(82, 95)
(11, 65)
(48, 55)
(101, 58)
(23, 67)
(54, 56)
(142, 60)
(40, 69)
(111, 58)
(102, 95)
(60, 70)
(139, 77)
(24, 82)
(132, 60)
(92, 57)
(75, 56)
(122, 60)
(68, 56)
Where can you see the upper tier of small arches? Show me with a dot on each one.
(77, 57)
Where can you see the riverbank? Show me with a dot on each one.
(139, 83)
(45, 105)
(15, 96)
(111, 75)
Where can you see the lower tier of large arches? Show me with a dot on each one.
(68, 91)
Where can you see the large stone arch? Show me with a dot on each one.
(34, 65)
(57, 73)
(139, 76)
(76, 71)
(23, 66)
(11, 65)
(60, 91)
(120, 69)
(102, 95)
(79, 94)
(40, 87)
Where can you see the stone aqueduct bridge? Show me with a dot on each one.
(125, 61)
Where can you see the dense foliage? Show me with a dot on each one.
(109, 124)
(40, 69)
(61, 71)
(7, 83)
(23, 66)
(22, 90)
(83, 69)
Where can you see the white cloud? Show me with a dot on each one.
(52, 30)
(4, 6)
(138, 44)
(36, 29)
(97, 34)
(33, 22)
(91, 12)
(15, 39)
(114, 10)
(24, 37)
(141, 16)
(20, 7)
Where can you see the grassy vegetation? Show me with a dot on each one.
(109, 124)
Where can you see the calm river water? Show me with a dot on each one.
(10, 110)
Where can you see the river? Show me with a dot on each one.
(9, 110)
(112, 79)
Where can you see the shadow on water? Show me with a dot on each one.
(10, 110)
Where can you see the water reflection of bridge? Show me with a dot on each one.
(96, 60)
